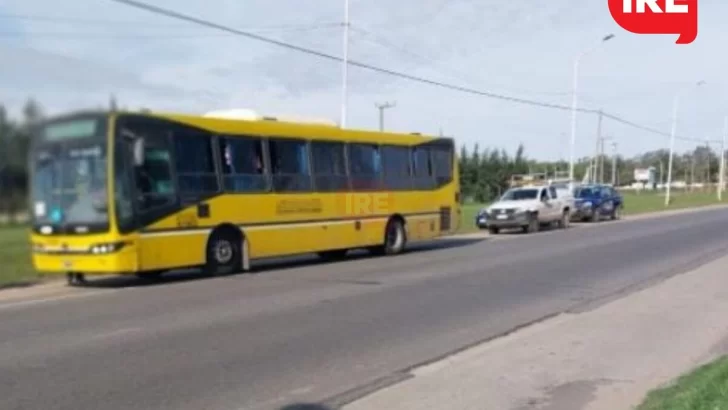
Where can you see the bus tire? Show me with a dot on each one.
(224, 252)
(395, 238)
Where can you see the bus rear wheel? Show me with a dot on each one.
(223, 254)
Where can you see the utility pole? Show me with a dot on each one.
(598, 176)
(345, 66)
(721, 177)
(692, 171)
(381, 108)
(113, 106)
(601, 161)
(708, 179)
(602, 158)
(596, 150)
(662, 173)
(614, 164)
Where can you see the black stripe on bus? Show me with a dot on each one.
(296, 222)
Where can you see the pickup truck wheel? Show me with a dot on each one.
(595, 215)
(565, 219)
(533, 225)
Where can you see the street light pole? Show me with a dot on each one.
(574, 105)
(381, 108)
(673, 130)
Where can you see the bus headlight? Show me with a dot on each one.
(105, 248)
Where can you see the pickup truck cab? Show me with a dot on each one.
(528, 208)
(564, 191)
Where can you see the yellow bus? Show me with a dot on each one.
(144, 193)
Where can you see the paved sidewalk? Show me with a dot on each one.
(607, 358)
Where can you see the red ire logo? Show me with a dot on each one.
(658, 17)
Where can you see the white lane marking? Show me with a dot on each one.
(6, 306)
(301, 390)
(117, 333)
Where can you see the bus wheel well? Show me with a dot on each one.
(399, 218)
(228, 230)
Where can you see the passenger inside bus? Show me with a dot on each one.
(243, 165)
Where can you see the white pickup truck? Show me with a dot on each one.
(528, 208)
(564, 191)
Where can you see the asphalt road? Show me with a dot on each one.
(309, 332)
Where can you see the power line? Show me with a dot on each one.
(331, 57)
(410, 77)
(64, 19)
(106, 35)
(433, 63)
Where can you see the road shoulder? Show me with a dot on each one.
(607, 358)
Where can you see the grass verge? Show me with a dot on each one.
(639, 203)
(15, 266)
(706, 388)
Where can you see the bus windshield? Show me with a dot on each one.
(68, 182)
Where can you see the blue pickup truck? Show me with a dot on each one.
(594, 202)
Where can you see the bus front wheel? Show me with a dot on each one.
(223, 254)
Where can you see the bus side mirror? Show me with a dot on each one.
(138, 148)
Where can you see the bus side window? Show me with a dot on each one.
(397, 172)
(365, 167)
(289, 165)
(442, 157)
(422, 168)
(154, 178)
(195, 164)
(329, 166)
(242, 164)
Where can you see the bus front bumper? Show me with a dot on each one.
(123, 262)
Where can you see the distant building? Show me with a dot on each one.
(646, 176)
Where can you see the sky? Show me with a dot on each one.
(75, 54)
